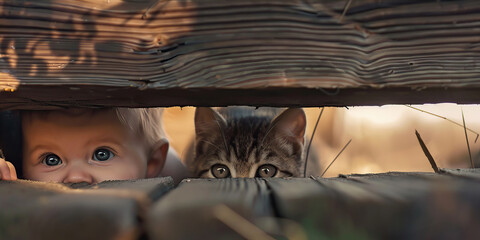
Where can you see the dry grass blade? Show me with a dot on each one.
(239, 224)
(336, 157)
(427, 153)
(310, 143)
(468, 144)
(345, 10)
(444, 118)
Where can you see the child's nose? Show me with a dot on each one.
(76, 175)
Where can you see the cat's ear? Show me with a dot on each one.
(291, 122)
(208, 120)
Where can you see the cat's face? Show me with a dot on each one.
(252, 143)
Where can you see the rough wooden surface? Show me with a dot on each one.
(385, 207)
(109, 210)
(206, 209)
(372, 206)
(219, 52)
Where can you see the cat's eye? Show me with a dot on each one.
(220, 171)
(102, 154)
(266, 171)
(52, 160)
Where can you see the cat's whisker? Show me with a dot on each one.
(267, 133)
(210, 143)
(278, 138)
(271, 127)
(223, 136)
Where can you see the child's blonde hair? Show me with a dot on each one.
(145, 122)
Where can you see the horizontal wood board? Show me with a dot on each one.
(372, 206)
(213, 209)
(220, 52)
(108, 210)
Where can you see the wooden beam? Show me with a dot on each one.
(107, 210)
(231, 208)
(371, 206)
(380, 206)
(220, 52)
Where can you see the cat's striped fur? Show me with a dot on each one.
(249, 142)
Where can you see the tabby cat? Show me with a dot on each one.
(248, 142)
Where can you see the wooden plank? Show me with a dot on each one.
(408, 185)
(150, 189)
(372, 206)
(208, 52)
(389, 206)
(213, 208)
(108, 210)
(466, 173)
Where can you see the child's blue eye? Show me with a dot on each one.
(52, 160)
(102, 154)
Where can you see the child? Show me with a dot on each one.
(91, 145)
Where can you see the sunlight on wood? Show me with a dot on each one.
(8, 82)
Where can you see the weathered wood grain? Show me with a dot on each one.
(108, 210)
(465, 173)
(213, 208)
(209, 52)
(384, 206)
(372, 206)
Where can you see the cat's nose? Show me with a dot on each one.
(245, 172)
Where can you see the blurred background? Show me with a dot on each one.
(383, 138)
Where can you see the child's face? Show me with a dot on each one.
(87, 147)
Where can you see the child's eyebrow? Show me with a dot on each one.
(40, 147)
(31, 154)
